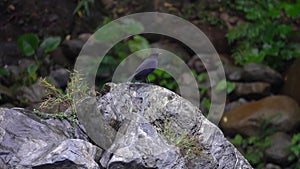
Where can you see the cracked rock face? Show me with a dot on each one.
(135, 126)
(152, 126)
(26, 142)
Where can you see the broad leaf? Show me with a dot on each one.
(28, 43)
(131, 26)
(138, 43)
(31, 69)
(221, 86)
(50, 44)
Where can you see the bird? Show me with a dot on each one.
(146, 67)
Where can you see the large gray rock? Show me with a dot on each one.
(59, 77)
(71, 48)
(138, 125)
(153, 124)
(256, 72)
(70, 153)
(26, 142)
(252, 90)
(233, 73)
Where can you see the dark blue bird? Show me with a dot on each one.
(146, 67)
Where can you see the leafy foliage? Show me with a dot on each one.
(222, 85)
(206, 103)
(255, 146)
(204, 11)
(295, 150)
(32, 74)
(225, 85)
(138, 43)
(28, 45)
(115, 30)
(4, 71)
(119, 52)
(164, 79)
(262, 37)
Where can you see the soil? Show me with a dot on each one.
(46, 18)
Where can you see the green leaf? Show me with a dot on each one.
(158, 72)
(253, 157)
(79, 5)
(166, 75)
(106, 20)
(291, 9)
(291, 158)
(296, 138)
(253, 139)
(138, 43)
(237, 140)
(206, 102)
(110, 32)
(132, 26)
(28, 43)
(151, 77)
(121, 50)
(50, 44)
(4, 71)
(203, 90)
(230, 87)
(202, 77)
(284, 30)
(163, 82)
(270, 50)
(31, 69)
(237, 32)
(273, 12)
(171, 85)
(83, 5)
(255, 13)
(221, 86)
(32, 73)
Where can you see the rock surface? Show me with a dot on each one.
(246, 119)
(254, 72)
(26, 141)
(252, 90)
(278, 151)
(135, 126)
(34, 93)
(233, 73)
(71, 48)
(272, 166)
(148, 118)
(59, 77)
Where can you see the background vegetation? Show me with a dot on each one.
(257, 31)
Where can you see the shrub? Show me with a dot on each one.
(263, 36)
